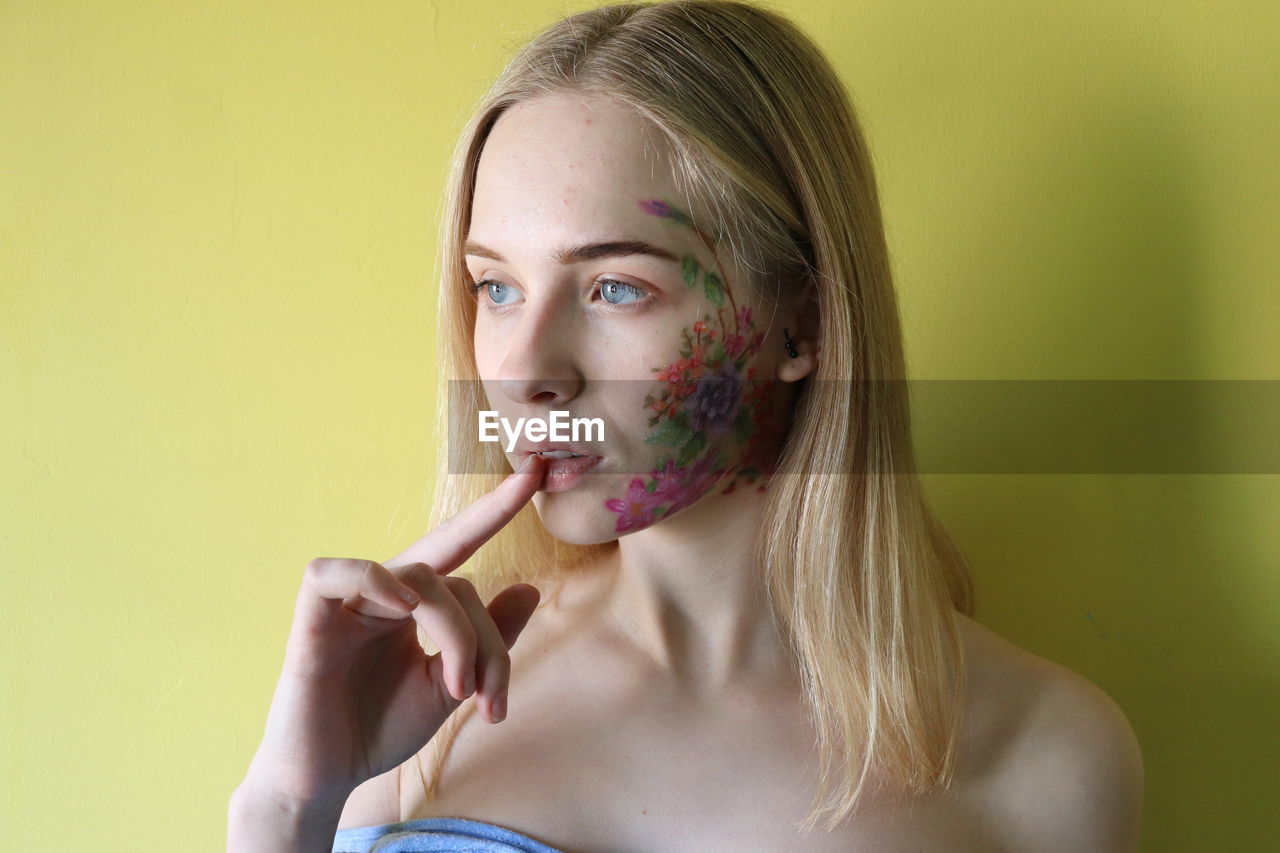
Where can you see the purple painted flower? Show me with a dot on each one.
(658, 207)
(714, 402)
(636, 509)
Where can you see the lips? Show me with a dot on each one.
(563, 474)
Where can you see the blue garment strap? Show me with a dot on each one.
(436, 835)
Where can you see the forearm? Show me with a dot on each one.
(261, 822)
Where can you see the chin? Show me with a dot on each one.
(578, 516)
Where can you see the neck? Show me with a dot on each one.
(688, 597)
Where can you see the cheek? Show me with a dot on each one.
(708, 392)
(710, 421)
(709, 417)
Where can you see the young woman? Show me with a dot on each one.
(740, 626)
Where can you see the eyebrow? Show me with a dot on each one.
(585, 252)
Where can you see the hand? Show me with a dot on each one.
(358, 695)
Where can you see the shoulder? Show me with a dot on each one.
(374, 802)
(1066, 770)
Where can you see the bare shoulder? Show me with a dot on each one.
(1066, 770)
(374, 802)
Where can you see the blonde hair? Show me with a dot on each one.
(862, 578)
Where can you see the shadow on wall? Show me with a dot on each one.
(1158, 588)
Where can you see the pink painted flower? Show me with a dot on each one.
(669, 479)
(733, 345)
(697, 482)
(635, 510)
(744, 315)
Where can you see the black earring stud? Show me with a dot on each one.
(790, 345)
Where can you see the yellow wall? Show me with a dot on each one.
(216, 321)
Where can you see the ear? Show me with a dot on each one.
(805, 328)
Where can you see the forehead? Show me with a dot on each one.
(570, 166)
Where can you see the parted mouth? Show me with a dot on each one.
(563, 469)
(554, 450)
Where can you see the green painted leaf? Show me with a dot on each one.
(713, 288)
(691, 449)
(690, 269)
(673, 432)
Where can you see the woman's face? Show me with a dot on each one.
(644, 325)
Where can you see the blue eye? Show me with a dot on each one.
(613, 291)
(609, 287)
(491, 284)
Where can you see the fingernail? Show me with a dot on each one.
(528, 460)
(409, 595)
(500, 707)
(469, 684)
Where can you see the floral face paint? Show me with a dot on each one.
(710, 410)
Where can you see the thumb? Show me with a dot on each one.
(511, 609)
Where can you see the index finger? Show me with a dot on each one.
(455, 539)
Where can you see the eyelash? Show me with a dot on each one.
(476, 287)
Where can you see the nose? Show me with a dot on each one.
(540, 367)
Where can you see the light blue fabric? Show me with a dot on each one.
(436, 835)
